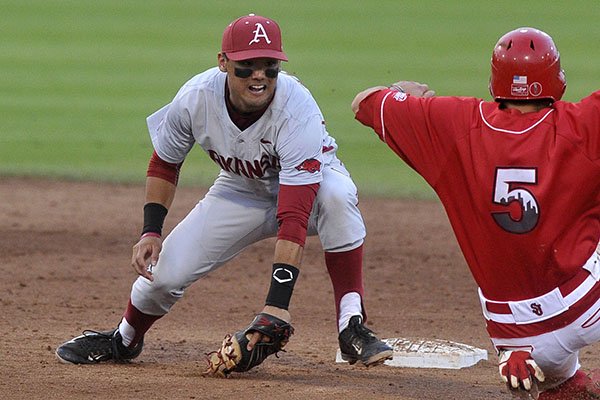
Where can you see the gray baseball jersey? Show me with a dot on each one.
(269, 152)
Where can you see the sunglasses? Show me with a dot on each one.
(247, 72)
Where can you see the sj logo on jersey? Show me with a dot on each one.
(311, 165)
(536, 308)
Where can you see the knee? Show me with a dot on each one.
(339, 222)
(156, 297)
(557, 368)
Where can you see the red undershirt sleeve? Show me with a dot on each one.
(159, 168)
(293, 210)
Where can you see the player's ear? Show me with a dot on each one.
(222, 62)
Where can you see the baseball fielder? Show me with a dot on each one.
(520, 180)
(279, 176)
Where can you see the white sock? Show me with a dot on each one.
(350, 305)
(127, 332)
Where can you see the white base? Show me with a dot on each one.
(434, 353)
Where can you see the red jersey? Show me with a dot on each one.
(522, 191)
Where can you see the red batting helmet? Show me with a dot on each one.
(526, 66)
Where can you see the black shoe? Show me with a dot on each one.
(358, 343)
(93, 347)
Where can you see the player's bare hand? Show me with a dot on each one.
(256, 337)
(415, 89)
(145, 255)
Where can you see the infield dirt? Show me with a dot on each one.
(66, 248)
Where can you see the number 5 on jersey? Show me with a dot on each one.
(507, 178)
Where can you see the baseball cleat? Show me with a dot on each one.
(94, 347)
(359, 343)
(579, 387)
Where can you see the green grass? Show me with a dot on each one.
(78, 78)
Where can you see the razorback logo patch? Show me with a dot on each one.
(311, 165)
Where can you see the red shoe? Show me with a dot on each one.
(579, 387)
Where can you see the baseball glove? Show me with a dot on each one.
(233, 354)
